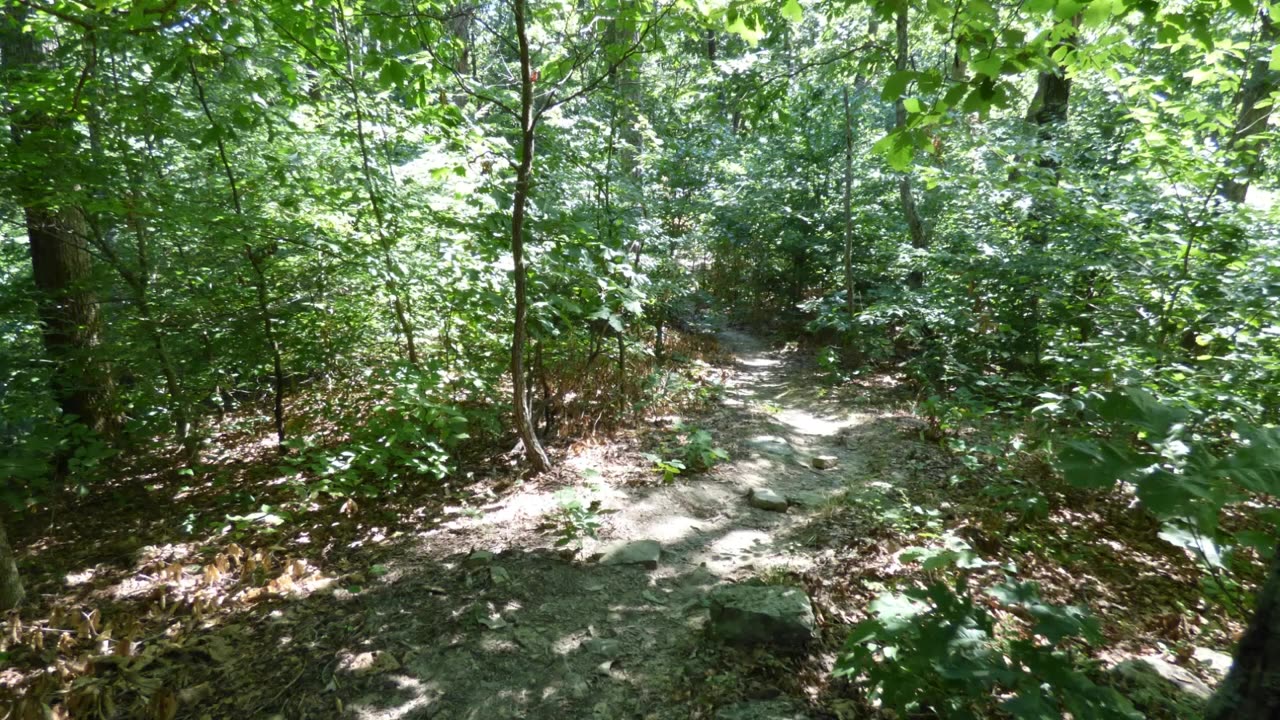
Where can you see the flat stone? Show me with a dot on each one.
(635, 552)
(825, 462)
(775, 615)
(1218, 662)
(761, 710)
(767, 499)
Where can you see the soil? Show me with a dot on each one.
(534, 633)
(476, 609)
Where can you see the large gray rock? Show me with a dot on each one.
(825, 462)
(777, 616)
(1159, 689)
(761, 710)
(1151, 667)
(636, 552)
(767, 499)
(1218, 662)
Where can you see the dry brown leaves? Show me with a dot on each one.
(77, 663)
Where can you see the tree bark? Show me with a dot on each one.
(256, 263)
(534, 452)
(848, 206)
(1251, 690)
(11, 590)
(57, 233)
(1048, 112)
(626, 83)
(400, 300)
(915, 227)
(1245, 144)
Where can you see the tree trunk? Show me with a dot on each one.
(259, 273)
(386, 244)
(1252, 688)
(1245, 144)
(273, 345)
(57, 233)
(848, 206)
(11, 591)
(625, 77)
(915, 227)
(1048, 111)
(534, 452)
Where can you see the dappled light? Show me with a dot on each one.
(750, 360)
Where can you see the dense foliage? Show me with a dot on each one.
(375, 235)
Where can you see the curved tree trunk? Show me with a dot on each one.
(534, 452)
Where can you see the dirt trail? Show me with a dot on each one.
(531, 634)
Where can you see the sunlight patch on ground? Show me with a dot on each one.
(806, 423)
(738, 543)
(670, 530)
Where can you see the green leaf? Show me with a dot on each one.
(896, 85)
(1201, 547)
(1088, 464)
(1099, 11)
(792, 12)
(989, 66)
(751, 33)
(1166, 494)
(893, 608)
(1243, 8)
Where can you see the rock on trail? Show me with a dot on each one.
(636, 552)
(779, 617)
(766, 499)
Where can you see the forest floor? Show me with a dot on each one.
(465, 607)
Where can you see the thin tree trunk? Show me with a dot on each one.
(268, 330)
(399, 303)
(915, 227)
(459, 26)
(179, 414)
(848, 205)
(534, 452)
(260, 277)
(1251, 690)
(11, 590)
